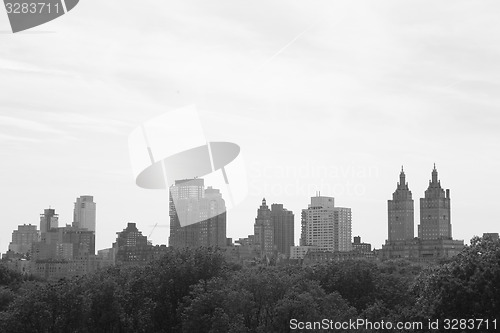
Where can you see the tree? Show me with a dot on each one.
(260, 299)
(467, 287)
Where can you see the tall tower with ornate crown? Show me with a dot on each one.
(435, 211)
(401, 212)
(264, 231)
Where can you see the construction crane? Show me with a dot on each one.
(159, 226)
(152, 230)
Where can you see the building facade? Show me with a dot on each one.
(358, 246)
(212, 229)
(131, 245)
(84, 213)
(66, 243)
(401, 212)
(435, 211)
(299, 252)
(48, 220)
(326, 226)
(317, 256)
(62, 251)
(23, 238)
(422, 250)
(303, 227)
(491, 236)
(283, 228)
(435, 239)
(264, 231)
(197, 215)
(132, 248)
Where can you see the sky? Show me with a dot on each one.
(319, 95)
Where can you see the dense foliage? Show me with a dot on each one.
(199, 291)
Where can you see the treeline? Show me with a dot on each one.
(199, 291)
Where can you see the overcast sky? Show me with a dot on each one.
(320, 95)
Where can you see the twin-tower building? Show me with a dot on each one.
(434, 239)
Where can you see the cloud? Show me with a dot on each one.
(10, 65)
(87, 123)
(28, 125)
(13, 138)
(376, 83)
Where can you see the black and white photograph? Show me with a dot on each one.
(234, 166)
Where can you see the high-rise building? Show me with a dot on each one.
(212, 229)
(328, 227)
(264, 231)
(197, 215)
(283, 226)
(183, 204)
(23, 237)
(64, 252)
(273, 233)
(434, 232)
(82, 241)
(435, 211)
(65, 243)
(48, 220)
(303, 227)
(84, 213)
(401, 214)
(131, 245)
(132, 248)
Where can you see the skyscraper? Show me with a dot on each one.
(303, 227)
(264, 231)
(183, 204)
(401, 213)
(84, 213)
(326, 226)
(197, 215)
(48, 220)
(434, 232)
(283, 226)
(435, 211)
(212, 230)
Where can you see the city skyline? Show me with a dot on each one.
(243, 166)
(400, 217)
(322, 96)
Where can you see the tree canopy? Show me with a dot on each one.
(197, 290)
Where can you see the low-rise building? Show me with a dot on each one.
(421, 249)
(361, 247)
(299, 252)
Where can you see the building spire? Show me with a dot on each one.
(402, 179)
(434, 175)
